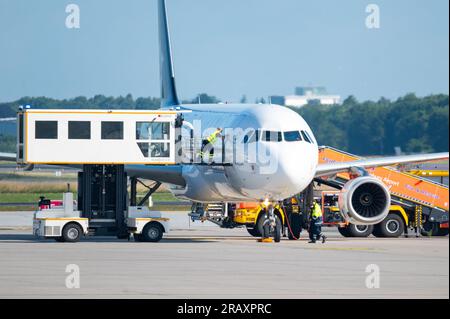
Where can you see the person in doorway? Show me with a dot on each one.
(208, 145)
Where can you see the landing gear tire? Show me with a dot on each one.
(277, 230)
(72, 233)
(344, 231)
(296, 227)
(359, 231)
(392, 226)
(254, 231)
(268, 231)
(152, 233)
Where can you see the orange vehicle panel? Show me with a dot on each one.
(403, 185)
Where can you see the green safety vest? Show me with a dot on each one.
(213, 137)
(317, 212)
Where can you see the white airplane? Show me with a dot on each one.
(290, 167)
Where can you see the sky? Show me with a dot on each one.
(225, 48)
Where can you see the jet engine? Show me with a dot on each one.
(364, 201)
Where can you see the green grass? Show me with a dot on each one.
(27, 198)
(34, 197)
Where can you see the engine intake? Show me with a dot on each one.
(365, 201)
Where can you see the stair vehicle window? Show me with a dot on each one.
(112, 130)
(271, 136)
(293, 136)
(46, 130)
(159, 150)
(79, 130)
(159, 131)
(154, 139)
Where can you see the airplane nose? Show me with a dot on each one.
(297, 169)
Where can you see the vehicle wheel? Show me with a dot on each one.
(296, 227)
(359, 231)
(392, 226)
(442, 232)
(152, 233)
(72, 233)
(344, 231)
(433, 229)
(253, 231)
(429, 229)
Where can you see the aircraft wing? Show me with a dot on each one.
(7, 157)
(340, 167)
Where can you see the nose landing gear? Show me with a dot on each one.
(270, 226)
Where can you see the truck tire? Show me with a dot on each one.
(358, 231)
(433, 229)
(392, 226)
(72, 233)
(152, 233)
(296, 227)
(253, 231)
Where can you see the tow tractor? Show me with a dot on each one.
(62, 221)
(101, 143)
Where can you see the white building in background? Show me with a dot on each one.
(307, 96)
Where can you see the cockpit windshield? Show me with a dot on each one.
(293, 136)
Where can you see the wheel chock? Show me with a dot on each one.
(265, 240)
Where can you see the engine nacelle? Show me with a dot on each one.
(365, 201)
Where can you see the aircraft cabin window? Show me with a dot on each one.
(79, 130)
(270, 136)
(293, 136)
(112, 130)
(305, 136)
(46, 130)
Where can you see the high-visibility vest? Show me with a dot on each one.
(317, 211)
(213, 137)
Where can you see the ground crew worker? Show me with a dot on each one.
(315, 226)
(208, 144)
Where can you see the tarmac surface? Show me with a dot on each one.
(198, 261)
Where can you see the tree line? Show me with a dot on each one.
(414, 124)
